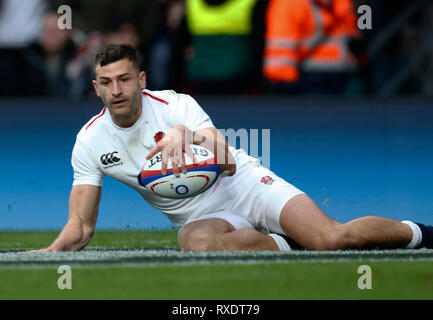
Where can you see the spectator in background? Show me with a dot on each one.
(122, 32)
(80, 68)
(225, 54)
(307, 46)
(58, 63)
(166, 51)
(384, 63)
(20, 25)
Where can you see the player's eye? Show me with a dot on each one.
(125, 80)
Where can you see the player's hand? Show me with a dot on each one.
(39, 250)
(175, 142)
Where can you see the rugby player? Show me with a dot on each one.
(232, 214)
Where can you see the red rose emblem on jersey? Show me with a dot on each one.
(267, 180)
(158, 136)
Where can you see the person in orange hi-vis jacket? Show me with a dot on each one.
(307, 44)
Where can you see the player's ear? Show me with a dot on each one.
(142, 79)
(95, 86)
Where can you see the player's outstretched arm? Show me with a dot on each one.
(83, 212)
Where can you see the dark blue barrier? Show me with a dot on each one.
(354, 157)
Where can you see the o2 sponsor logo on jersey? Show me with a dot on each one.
(110, 159)
(267, 180)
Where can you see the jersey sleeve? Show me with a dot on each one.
(191, 114)
(85, 169)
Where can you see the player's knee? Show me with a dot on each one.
(325, 242)
(197, 240)
(341, 238)
(338, 238)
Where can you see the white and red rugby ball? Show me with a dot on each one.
(199, 177)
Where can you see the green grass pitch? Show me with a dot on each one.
(202, 276)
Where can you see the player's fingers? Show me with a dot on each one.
(34, 251)
(164, 155)
(188, 151)
(27, 251)
(154, 150)
(181, 156)
(174, 162)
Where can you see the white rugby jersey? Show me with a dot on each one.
(104, 149)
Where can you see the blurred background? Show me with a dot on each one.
(346, 92)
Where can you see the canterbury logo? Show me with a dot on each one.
(109, 158)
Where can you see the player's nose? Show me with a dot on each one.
(116, 89)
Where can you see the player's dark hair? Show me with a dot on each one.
(114, 52)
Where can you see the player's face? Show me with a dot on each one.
(119, 86)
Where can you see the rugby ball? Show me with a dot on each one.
(199, 177)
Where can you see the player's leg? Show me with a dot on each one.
(214, 234)
(303, 221)
(387, 233)
(281, 208)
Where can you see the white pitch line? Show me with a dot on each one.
(145, 257)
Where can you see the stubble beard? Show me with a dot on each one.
(130, 115)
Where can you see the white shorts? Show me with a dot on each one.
(251, 199)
